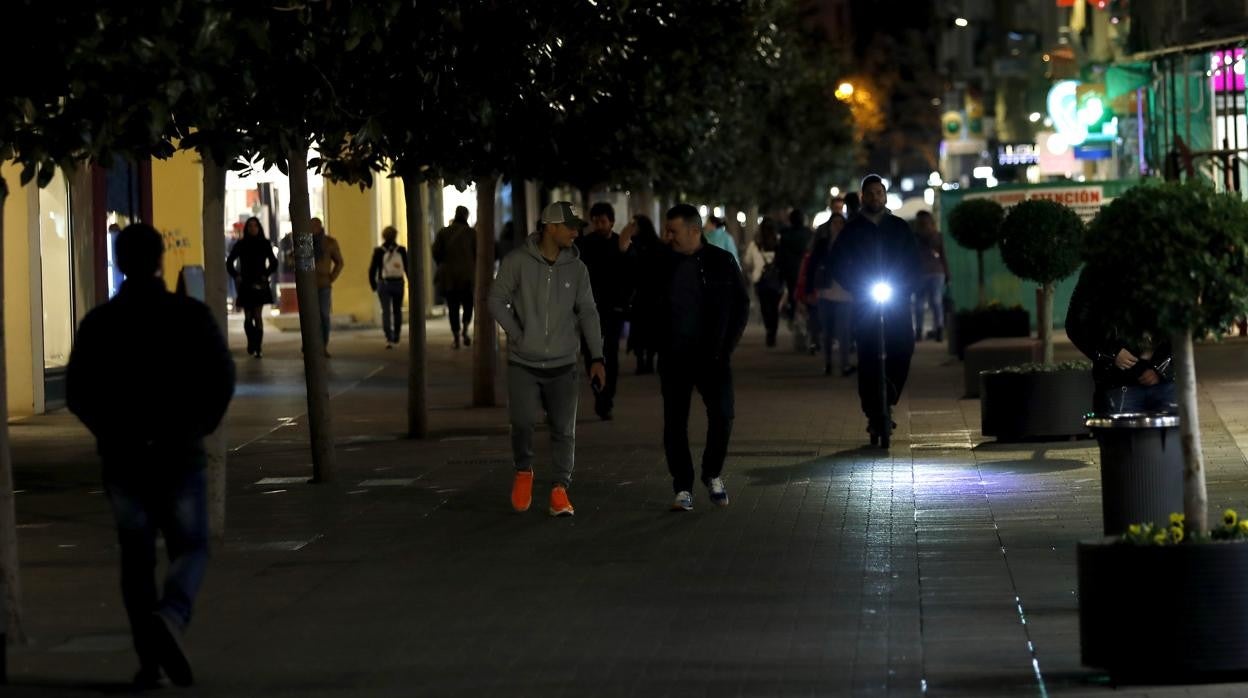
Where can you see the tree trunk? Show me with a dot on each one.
(315, 365)
(417, 243)
(1195, 497)
(436, 218)
(983, 291)
(10, 582)
(485, 349)
(215, 290)
(1046, 322)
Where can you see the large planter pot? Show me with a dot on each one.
(1036, 405)
(970, 326)
(1164, 613)
(1141, 469)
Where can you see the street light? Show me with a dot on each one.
(844, 91)
(961, 22)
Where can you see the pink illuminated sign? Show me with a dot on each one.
(1226, 69)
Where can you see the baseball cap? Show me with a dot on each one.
(563, 212)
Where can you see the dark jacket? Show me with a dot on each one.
(725, 304)
(865, 254)
(376, 268)
(251, 260)
(1091, 328)
(793, 244)
(150, 375)
(609, 272)
(455, 251)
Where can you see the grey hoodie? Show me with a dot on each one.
(544, 308)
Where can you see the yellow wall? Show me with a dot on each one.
(349, 218)
(18, 353)
(177, 211)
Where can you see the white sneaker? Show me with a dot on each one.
(683, 502)
(719, 493)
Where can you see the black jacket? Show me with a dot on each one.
(789, 254)
(865, 254)
(251, 260)
(725, 307)
(610, 275)
(150, 375)
(375, 267)
(1090, 326)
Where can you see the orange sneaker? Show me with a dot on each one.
(559, 504)
(522, 490)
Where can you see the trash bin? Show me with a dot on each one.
(1141, 469)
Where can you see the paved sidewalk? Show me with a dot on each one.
(944, 567)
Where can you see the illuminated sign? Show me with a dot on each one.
(1017, 154)
(1079, 112)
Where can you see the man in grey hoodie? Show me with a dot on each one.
(542, 300)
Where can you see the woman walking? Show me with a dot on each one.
(252, 264)
(766, 276)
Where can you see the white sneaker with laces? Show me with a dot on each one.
(719, 493)
(683, 501)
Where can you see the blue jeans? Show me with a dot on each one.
(390, 292)
(930, 291)
(174, 504)
(326, 296)
(1137, 398)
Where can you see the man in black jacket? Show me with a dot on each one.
(876, 247)
(605, 255)
(699, 308)
(151, 375)
(386, 275)
(1129, 375)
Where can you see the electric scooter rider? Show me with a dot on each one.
(876, 258)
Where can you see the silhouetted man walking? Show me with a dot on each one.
(151, 375)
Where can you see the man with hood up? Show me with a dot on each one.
(543, 301)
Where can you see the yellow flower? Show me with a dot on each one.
(1160, 538)
(1176, 534)
(1230, 518)
(1243, 526)
(1177, 519)
(1134, 529)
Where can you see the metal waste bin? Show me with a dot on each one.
(1141, 469)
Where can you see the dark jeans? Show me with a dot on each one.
(253, 327)
(836, 320)
(173, 503)
(612, 328)
(679, 376)
(456, 299)
(769, 305)
(929, 292)
(1136, 398)
(391, 294)
(899, 349)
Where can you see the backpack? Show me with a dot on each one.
(392, 265)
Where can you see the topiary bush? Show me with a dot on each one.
(976, 225)
(1042, 241)
(1173, 257)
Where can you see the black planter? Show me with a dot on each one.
(1037, 405)
(1141, 469)
(1164, 613)
(970, 326)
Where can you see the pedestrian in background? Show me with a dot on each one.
(329, 264)
(252, 264)
(934, 276)
(604, 253)
(717, 234)
(644, 249)
(542, 299)
(455, 252)
(150, 438)
(387, 274)
(794, 243)
(767, 278)
(835, 304)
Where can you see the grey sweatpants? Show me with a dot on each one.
(528, 392)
